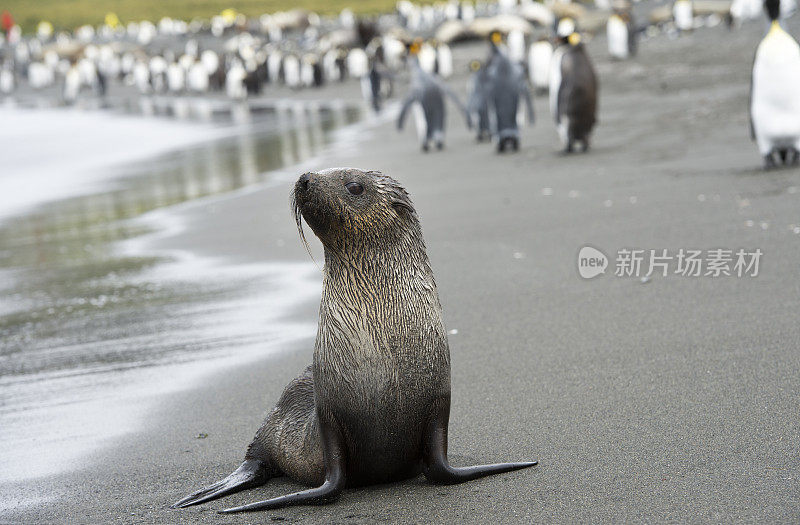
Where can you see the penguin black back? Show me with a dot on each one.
(577, 96)
(773, 9)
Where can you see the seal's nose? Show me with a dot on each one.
(302, 182)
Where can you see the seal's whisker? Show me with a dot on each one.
(298, 217)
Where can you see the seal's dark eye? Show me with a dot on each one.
(354, 188)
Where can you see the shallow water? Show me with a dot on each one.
(87, 327)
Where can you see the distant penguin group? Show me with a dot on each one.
(500, 83)
(775, 94)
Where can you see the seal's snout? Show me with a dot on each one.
(296, 200)
(302, 182)
(307, 202)
(303, 185)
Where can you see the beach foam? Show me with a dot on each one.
(93, 408)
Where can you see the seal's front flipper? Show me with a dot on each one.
(329, 491)
(436, 467)
(251, 473)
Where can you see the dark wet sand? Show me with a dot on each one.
(672, 400)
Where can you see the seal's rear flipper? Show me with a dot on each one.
(251, 473)
(435, 465)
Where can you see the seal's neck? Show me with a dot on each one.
(380, 270)
(382, 299)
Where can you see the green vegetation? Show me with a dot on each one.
(69, 14)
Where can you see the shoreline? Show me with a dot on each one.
(285, 285)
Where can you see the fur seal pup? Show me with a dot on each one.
(374, 405)
(775, 93)
(573, 93)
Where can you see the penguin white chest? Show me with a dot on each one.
(555, 81)
(234, 82)
(682, 12)
(291, 71)
(6, 81)
(617, 33)
(444, 57)
(775, 108)
(746, 9)
(198, 78)
(427, 58)
(516, 46)
(357, 63)
(539, 58)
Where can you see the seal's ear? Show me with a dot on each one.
(401, 202)
(402, 208)
(396, 195)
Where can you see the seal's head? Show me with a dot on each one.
(348, 207)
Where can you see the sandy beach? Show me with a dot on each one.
(669, 399)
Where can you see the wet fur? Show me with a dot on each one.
(381, 358)
(374, 405)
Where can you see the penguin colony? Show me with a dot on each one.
(533, 49)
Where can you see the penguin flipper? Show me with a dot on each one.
(457, 101)
(251, 473)
(404, 110)
(526, 94)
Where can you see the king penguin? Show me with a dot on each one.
(478, 102)
(775, 93)
(7, 81)
(621, 35)
(377, 85)
(573, 93)
(683, 13)
(428, 92)
(507, 85)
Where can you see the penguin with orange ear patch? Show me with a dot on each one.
(621, 32)
(775, 93)
(478, 102)
(508, 85)
(573, 92)
(427, 97)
